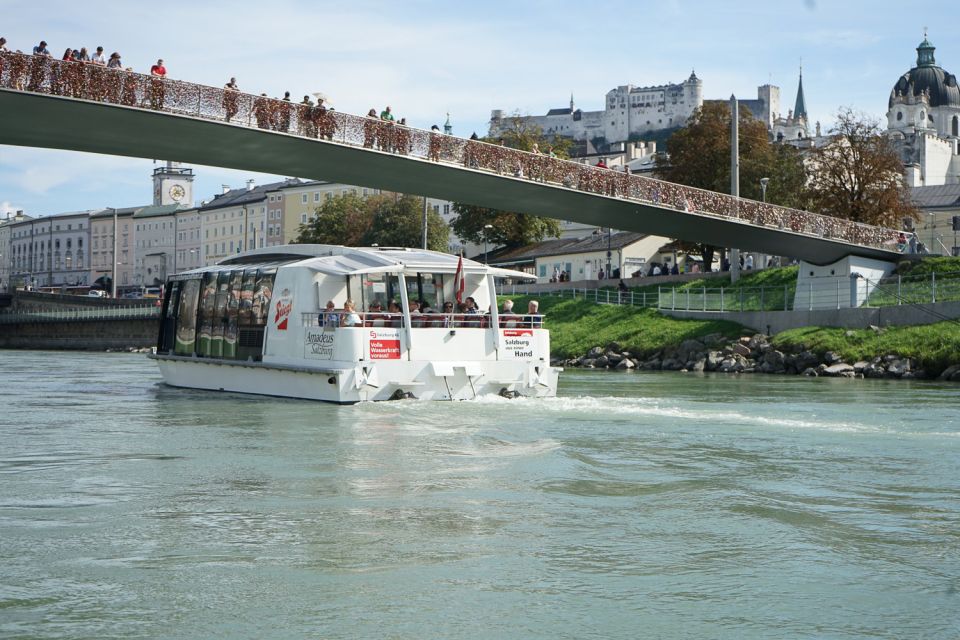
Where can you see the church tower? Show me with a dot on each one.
(800, 108)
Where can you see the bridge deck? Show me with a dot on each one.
(462, 171)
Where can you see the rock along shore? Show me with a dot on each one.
(753, 354)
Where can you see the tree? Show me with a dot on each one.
(699, 157)
(398, 222)
(341, 220)
(508, 228)
(511, 228)
(387, 220)
(859, 176)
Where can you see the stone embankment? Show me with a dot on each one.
(753, 354)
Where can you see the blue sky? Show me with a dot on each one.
(426, 58)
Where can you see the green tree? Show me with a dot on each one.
(858, 175)
(388, 220)
(342, 219)
(511, 228)
(699, 157)
(397, 221)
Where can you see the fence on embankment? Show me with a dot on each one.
(75, 323)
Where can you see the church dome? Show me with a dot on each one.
(927, 77)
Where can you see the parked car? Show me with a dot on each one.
(97, 293)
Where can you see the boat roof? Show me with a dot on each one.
(344, 261)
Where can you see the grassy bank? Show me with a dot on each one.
(935, 346)
(576, 326)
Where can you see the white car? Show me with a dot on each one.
(97, 293)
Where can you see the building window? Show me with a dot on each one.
(303, 199)
(316, 197)
(956, 125)
(303, 218)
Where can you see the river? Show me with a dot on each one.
(652, 505)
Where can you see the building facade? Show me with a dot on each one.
(187, 253)
(51, 251)
(6, 253)
(156, 232)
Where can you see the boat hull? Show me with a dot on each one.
(350, 383)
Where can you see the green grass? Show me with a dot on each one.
(576, 326)
(935, 346)
(942, 265)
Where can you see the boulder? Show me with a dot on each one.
(624, 364)
(699, 365)
(595, 352)
(860, 365)
(741, 349)
(809, 372)
(714, 358)
(613, 357)
(898, 367)
(586, 362)
(949, 373)
(774, 357)
(840, 369)
(756, 341)
(832, 357)
(614, 346)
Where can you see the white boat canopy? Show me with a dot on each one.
(337, 260)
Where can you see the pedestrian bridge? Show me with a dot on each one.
(65, 105)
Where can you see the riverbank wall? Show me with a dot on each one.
(102, 335)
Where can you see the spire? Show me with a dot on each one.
(800, 108)
(447, 127)
(571, 102)
(925, 52)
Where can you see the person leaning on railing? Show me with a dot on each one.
(158, 74)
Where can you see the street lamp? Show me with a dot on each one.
(609, 253)
(486, 233)
(763, 187)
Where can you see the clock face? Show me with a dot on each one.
(177, 192)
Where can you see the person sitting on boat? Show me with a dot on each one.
(471, 306)
(329, 317)
(350, 317)
(533, 319)
(393, 308)
(375, 316)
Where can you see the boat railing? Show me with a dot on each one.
(336, 319)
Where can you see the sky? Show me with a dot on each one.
(427, 58)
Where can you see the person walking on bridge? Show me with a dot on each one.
(231, 98)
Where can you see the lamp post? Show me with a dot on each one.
(763, 188)
(609, 253)
(486, 234)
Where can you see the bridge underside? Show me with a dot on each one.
(33, 120)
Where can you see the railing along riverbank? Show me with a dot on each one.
(76, 80)
(894, 290)
(145, 312)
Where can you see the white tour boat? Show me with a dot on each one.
(259, 323)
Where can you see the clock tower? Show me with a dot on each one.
(173, 184)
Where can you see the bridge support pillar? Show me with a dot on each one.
(844, 284)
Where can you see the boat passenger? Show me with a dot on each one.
(329, 317)
(533, 319)
(375, 316)
(350, 317)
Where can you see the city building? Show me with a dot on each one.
(187, 252)
(237, 219)
(938, 227)
(51, 251)
(923, 121)
(621, 253)
(6, 255)
(111, 228)
(156, 233)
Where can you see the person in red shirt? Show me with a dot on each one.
(159, 73)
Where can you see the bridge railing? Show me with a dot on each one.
(41, 74)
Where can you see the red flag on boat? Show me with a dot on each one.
(458, 282)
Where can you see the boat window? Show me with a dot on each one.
(426, 288)
(263, 292)
(208, 297)
(232, 316)
(245, 312)
(220, 314)
(375, 289)
(169, 314)
(187, 318)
